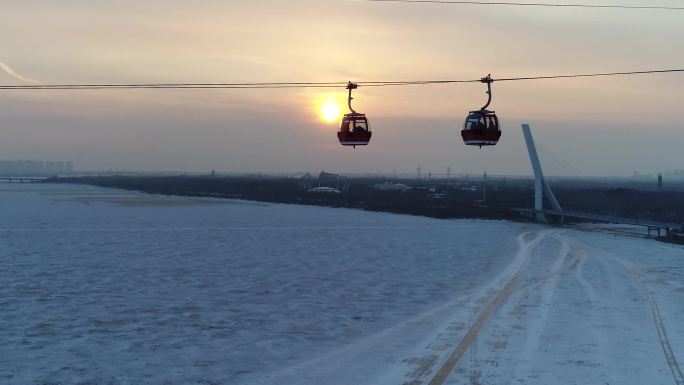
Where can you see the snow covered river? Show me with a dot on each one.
(102, 286)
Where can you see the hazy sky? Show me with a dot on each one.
(600, 126)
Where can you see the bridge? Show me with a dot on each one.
(542, 188)
(654, 228)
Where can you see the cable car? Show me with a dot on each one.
(481, 127)
(354, 129)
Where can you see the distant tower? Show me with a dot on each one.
(419, 172)
(448, 172)
(660, 181)
(484, 187)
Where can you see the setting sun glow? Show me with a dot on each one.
(330, 110)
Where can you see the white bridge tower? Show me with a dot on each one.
(540, 184)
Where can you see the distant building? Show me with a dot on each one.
(660, 181)
(327, 175)
(387, 186)
(34, 167)
(301, 175)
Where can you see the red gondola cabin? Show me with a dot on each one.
(354, 130)
(481, 128)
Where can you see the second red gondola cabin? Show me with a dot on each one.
(354, 130)
(481, 128)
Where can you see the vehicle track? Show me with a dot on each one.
(657, 318)
(662, 333)
(471, 336)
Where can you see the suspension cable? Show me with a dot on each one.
(279, 85)
(534, 4)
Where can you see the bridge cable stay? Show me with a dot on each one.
(569, 169)
(580, 204)
(568, 200)
(567, 166)
(617, 207)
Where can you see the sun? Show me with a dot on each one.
(330, 110)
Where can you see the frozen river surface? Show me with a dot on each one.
(107, 287)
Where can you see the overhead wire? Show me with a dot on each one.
(599, 74)
(274, 85)
(535, 4)
(340, 84)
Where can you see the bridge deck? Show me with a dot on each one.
(608, 219)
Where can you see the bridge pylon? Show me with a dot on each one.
(541, 186)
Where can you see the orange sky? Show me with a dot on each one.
(602, 126)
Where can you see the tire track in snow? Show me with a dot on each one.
(471, 336)
(662, 333)
(588, 280)
(566, 258)
(577, 254)
(655, 309)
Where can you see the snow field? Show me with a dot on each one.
(99, 292)
(96, 290)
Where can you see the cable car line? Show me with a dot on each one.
(180, 85)
(225, 85)
(481, 127)
(600, 74)
(277, 85)
(145, 86)
(534, 4)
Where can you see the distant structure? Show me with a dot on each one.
(540, 184)
(35, 167)
(419, 173)
(484, 187)
(301, 175)
(324, 190)
(326, 181)
(328, 176)
(660, 181)
(387, 186)
(448, 172)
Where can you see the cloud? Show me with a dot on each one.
(15, 75)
